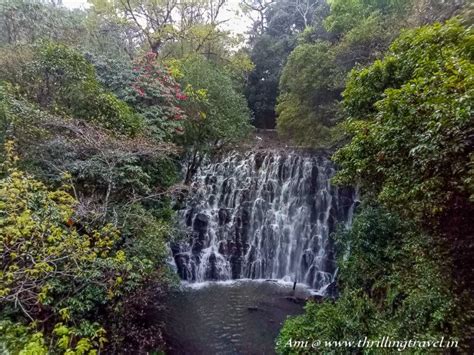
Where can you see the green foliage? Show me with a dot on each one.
(314, 75)
(391, 282)
(60, 79)
(147, 234)
(262, 88)
(273, 38)
(45, 258)
(110, 169)
(411, 122)
(19, 118)
(116, 180)
(401, 271)
(359, 32)
(157, 97)
(217, 114)
(106, 128)
(28, 21)
(196, 32)
(149, 88)
(347, 14)
(56, 291)
(19, 339)
(308, 100)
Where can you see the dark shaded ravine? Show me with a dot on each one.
(234, 317)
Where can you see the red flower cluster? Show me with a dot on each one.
(159, 93)
(138, 90)
(152, 78)
(181, 96)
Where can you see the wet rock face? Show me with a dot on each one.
(224, 216)
(265, 215)
(201, 221)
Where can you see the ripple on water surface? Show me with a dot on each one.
(233, 317)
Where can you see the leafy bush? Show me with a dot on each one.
(313, 78)
(60, 79)
(59, 277)
(27, 21)
(52, 271)
(19, 118)
(217, 111)
(411, 129)
(157, 96)
(117, 180)
(20, 339)
(392, 284)
(218, 115)
(308, 99)
(150, 88)
(410, 119)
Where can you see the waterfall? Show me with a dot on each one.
(263, 215)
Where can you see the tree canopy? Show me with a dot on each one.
(111, 105)
(403, 263)
(219, 113)
(410, 117)
(352, 33)
(274, 36)
(106, 113)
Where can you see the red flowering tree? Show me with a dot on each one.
(157, 96)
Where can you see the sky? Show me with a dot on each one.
(238, 24)
(75, 4)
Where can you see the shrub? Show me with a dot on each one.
(392, 284)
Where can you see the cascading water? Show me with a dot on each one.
(263, 215)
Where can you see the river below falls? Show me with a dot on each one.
(235, 317)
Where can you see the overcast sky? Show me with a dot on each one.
(237, 23)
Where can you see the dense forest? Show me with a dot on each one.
(107, 112)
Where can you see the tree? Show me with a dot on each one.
(391, 283)
(27, 21)
(102, 262)
(410, 120)
(258, 8)
(314, 75)
(49, 266)
(346, 15)
(116, 179)
(430, 11)
(61, 79)
(157, 96)
(152, 20)
(309, 90)
(358, 33)
(273, 38)
(217, 113)
(411, 129)
(110, 38)
(158, 23)
(262, 87)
